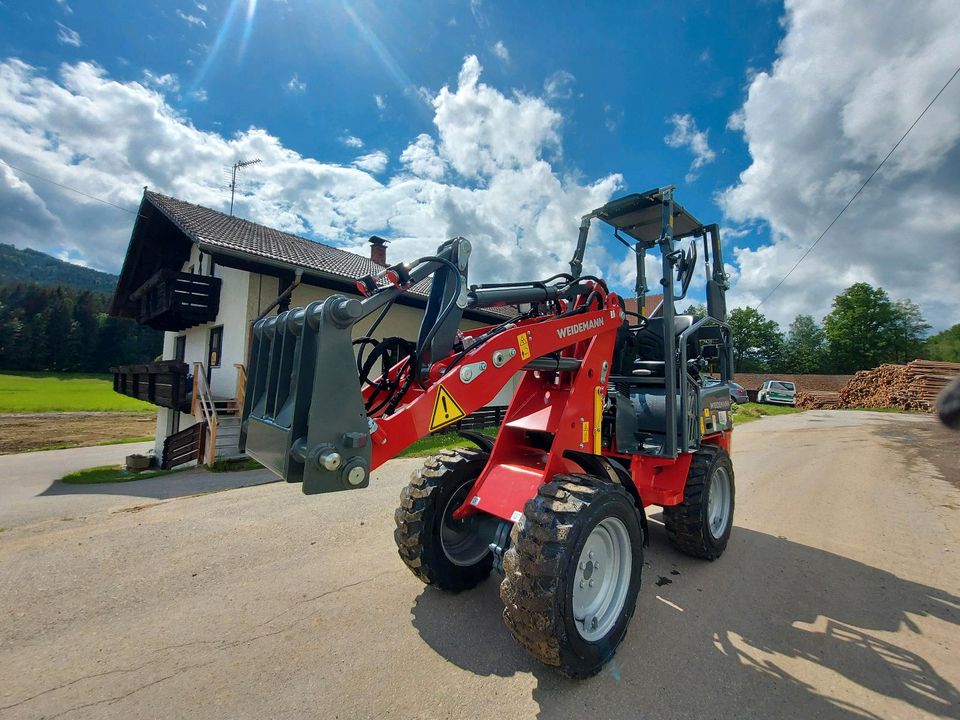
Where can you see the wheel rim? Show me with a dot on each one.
(602, 579)
(458, 538)
(718, 506)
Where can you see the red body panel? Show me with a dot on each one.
(550, 413)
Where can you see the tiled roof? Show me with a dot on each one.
(650, 304)
(214, 228)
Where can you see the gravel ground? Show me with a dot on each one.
(837, 598)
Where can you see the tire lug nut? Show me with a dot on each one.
(591, 585)
(581, 583)
(583, 566)
(590, 555)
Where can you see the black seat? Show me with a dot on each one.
(650, 338)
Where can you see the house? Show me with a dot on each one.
(204, 278)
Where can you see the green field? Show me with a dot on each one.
(38, 392)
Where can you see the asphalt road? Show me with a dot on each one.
(30, 490)
(837, 598)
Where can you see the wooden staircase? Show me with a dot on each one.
(228, 429)
(216, 434)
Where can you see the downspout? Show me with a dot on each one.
(297, 279)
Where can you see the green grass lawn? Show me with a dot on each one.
(754, 411)
(37, 392)
(433, 444)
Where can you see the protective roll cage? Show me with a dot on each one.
(324, 408)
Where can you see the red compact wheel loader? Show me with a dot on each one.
(612, 413)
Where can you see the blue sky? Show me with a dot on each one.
(654, 92)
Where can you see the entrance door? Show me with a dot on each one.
(214, 350)
(179, 353)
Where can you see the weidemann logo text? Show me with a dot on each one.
(580, 327)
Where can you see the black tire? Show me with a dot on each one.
(540, 569)
(440, 486)
(688, 524)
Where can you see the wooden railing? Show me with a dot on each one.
(184, 446)
(204, 410)
(241, 386)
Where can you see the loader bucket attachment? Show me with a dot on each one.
(303, 415)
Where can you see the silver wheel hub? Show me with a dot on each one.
(718, 506)
(602, 579)
(458, 538)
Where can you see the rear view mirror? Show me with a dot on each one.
(685, 269)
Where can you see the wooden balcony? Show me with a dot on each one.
(174, 301)
(166, 383)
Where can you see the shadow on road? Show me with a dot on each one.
(165, 487)
(780, 615)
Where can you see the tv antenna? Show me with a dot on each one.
(233, 180)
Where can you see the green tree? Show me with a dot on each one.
(804, 348)
(698, 310)
(944, 345)
(865, 329)
(757, 341)
(907, 331)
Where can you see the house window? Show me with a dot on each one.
(216, 346)
(180, 348)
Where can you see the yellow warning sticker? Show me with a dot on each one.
(524, 346)
(586, 433)
(446, 410)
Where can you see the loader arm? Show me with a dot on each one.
(311, 417)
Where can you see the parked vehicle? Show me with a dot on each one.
(738, 393)
(779, 392)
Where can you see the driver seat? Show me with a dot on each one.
(649, 345)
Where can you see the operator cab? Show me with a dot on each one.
(650, 362)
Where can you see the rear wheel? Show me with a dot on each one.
(700, 526)
(572, 573)
(439, 550)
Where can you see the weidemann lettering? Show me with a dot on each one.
(580, 327)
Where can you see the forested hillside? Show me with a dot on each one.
(32, 266)
(53, 316)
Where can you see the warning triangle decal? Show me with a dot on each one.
(446, 410)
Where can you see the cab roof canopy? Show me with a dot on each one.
(641, 215)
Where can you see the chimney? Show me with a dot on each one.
(378, 250)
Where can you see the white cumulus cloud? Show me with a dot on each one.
(559, 86)
(296, 85)
(192, 19)
(374, 162)
(686, 134)
(501, 51)
(66, 36)
(484, 172)
(816, 126)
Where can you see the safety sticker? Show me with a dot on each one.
(524, 346)
(446, 410)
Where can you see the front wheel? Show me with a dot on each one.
(700, 525)
(441, 551)
(572, 573)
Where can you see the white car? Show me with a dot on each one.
(780, 392)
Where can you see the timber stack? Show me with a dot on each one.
(913, 386)
(818, 399)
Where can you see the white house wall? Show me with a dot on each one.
(243, 297)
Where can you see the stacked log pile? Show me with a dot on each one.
(913, 386)
(818, 399)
